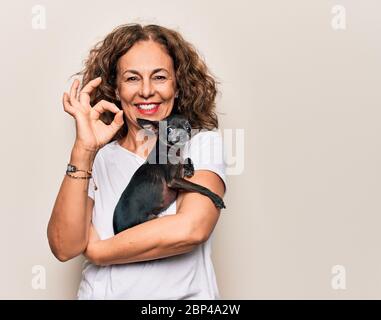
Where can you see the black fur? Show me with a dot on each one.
(155, 185)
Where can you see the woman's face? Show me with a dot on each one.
(146, 83)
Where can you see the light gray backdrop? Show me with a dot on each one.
(300, 77)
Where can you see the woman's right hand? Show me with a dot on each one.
(92, 133)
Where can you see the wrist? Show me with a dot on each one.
(82, 157)
(81, 148)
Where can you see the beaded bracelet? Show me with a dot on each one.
(71, 168)
(75, 177)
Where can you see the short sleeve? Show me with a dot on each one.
(206, 150)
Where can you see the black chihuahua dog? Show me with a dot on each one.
(156, 183)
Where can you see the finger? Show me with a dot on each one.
(66, 104)
(84, 95)
(118, 121)
(104, 105)
(73, 92)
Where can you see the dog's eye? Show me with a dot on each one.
(189, 129)
(169, 130)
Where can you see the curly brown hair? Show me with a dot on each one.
(197, 88)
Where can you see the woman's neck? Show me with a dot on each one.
(138, 143)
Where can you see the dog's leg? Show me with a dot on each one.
(179, 183)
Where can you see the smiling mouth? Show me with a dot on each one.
(147, 108)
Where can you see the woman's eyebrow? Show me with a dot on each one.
(137, 72)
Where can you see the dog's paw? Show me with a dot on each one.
(188, 168)
(188, 171)
(219, 203)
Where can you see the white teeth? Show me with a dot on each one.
(146, 106)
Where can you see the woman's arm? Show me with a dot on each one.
(166, 236)
(69, 224)
(70, 219)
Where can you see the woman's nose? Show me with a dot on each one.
(147, 89)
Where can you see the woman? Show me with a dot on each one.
(138, 72)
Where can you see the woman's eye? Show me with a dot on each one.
(131, 78)
(160, 77)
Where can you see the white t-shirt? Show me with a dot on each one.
(185, 276)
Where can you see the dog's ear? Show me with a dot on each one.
(152, 126)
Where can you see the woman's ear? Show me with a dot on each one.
(117, 94)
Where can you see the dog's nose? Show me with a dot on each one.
(179, 136)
